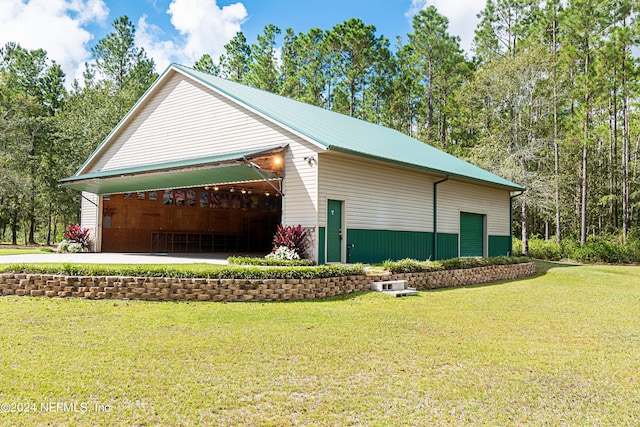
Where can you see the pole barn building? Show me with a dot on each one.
(204, 164)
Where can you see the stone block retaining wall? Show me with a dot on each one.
(463, 277)
(167, 289)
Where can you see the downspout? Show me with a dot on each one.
(435, 215)
(511, 220)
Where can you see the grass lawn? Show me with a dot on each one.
(562, 348)
(20, 251)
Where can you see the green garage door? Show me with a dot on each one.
(471, 235)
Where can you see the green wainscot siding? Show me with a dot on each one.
(321, 237)
(374, 246)
(447, 246)
(499, 245)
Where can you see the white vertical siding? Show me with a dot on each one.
(377, 196)
(90, 217)
(185, 120)
(457, 196)
(300, 204)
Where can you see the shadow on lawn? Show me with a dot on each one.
(542, 267)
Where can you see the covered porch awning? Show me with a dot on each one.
(229, 168)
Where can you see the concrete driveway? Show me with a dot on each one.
(121, 258)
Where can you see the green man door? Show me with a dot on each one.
(334, 231)
(471, 235)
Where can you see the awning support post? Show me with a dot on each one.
(89, 200)
(259, 172)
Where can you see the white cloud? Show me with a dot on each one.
(207, 27)
(203, 27)
(462, 16)
(149, 37)
(57, 26)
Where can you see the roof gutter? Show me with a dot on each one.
(435, 216)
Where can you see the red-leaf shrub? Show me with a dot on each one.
(293, 237)
(76, 234)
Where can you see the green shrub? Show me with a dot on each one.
(544, 249)
(604, 249)
(461, 263)
(48, 249)
(412, 266)
(408, 265)
(269, 261)
(187, 271)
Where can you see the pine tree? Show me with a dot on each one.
(263, 68)
(234, 64)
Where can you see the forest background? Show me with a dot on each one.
(549, 101)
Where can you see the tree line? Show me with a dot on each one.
(548, 101)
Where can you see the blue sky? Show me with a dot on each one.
(183, 30)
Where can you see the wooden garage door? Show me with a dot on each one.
(471, 235)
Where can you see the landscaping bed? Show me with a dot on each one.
(239, 283)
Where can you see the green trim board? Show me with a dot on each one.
(499, 245)
(321, 246)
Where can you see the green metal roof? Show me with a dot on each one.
(334, 131)
(221, 169)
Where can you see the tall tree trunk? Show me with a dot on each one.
(546, 228)
(14, 227)
(556, 147)
(625, 158)
(583, 200)
(49, 219)
(430, 102)
(525, 232)
(352, 98)
(585, 154)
